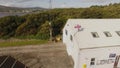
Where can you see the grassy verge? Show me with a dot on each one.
(22, 43)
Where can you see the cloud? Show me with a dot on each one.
(63, 5)
(95, 1)
(16, 3)
(21, 1)
(6, 2)
(56, 3)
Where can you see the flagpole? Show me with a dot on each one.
(50, 23)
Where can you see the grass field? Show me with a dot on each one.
(22, 43)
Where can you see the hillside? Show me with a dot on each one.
(36, 26)
(18, 9)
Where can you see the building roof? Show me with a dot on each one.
(82, 29)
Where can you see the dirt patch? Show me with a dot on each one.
(51, 55)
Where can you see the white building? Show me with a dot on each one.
(93, 43)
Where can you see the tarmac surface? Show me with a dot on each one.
(51, 55)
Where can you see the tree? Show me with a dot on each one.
(43, 32)
(91, 13)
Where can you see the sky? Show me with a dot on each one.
(56, 3)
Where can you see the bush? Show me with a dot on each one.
(5, 37)
(42, 36)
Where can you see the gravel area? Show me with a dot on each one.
(51, 55)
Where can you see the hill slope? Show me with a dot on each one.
(18, 9)
(36, 26)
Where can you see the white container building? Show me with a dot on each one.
(93, 43)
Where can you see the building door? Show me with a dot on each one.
(117, 62)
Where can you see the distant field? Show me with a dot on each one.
(21, 43)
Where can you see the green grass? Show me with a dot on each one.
(22, 43)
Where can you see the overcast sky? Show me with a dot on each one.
(56, 3)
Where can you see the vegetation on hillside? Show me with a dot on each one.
(36, 26)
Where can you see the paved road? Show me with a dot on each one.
(51, 55)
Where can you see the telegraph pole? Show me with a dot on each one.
(50, 23)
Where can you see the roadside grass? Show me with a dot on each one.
(22, 43)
